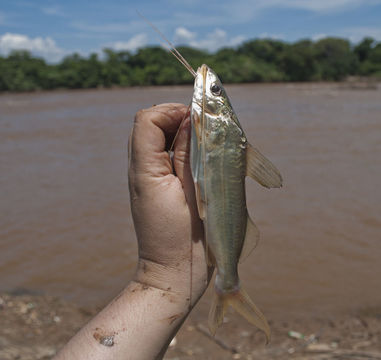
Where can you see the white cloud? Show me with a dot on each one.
(312, 5)
(245, 11)
(109, 28)
(211, 42)
(318, 37)
(267, 35)
(183, 35)
(45, 47)
(53, 10)
(134, 43)
(356, 34)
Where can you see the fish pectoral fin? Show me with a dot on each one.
(261, 169)
(199, 201)
(251, 239)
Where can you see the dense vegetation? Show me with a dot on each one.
(259, 60)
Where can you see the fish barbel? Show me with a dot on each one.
(221, 158)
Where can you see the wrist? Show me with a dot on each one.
(160, 276)
(173, 282)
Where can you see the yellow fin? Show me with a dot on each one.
(240, 302)
(261, 169)
(251, 239)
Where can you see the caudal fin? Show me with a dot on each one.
(241, 302)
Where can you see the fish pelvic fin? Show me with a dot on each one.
(241, 303)
(251, 239)
(261, 169)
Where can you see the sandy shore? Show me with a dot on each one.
(36, 327)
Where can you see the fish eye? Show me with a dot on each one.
(215, 89)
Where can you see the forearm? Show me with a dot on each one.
(138, 324)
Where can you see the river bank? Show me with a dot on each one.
(35, 327)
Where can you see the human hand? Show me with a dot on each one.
(140, 324)
(167, 225)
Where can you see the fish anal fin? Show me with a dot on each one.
(261, 169)
(210, 259)
(251, 239)
(241, 303)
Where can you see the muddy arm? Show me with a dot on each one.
(138, 324)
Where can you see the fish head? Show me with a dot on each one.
(212, 115)
(209, 94)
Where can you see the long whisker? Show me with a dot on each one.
(180, 59)
(172, 47)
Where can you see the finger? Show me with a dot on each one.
(151, 129)
(181, 151)
(181, 162)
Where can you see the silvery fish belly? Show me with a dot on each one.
(221, 157)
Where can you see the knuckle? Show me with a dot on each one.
(139, 115)
(181, 156)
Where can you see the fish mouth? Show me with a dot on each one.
(202, 70)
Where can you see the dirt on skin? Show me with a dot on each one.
(36, 327)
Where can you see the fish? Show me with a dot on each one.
(221, 157)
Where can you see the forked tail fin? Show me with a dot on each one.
(241, 302)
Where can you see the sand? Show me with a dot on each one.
(37, 326)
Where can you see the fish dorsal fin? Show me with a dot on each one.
(261, 169)
(251, 239)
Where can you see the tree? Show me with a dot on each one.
(115, 68)
(298, 62)
(259, 60)
(268, 50)
(364, 48)
(335, 59)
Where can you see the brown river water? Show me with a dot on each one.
(65, 221)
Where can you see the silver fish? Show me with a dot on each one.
(221, 157)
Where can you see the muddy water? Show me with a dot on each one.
(65, 221)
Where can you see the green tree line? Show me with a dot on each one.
(258, 60)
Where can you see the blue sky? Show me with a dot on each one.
(53, 29)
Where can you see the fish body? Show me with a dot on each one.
(221, 157)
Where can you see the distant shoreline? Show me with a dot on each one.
(356, 83)
(254, 61)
